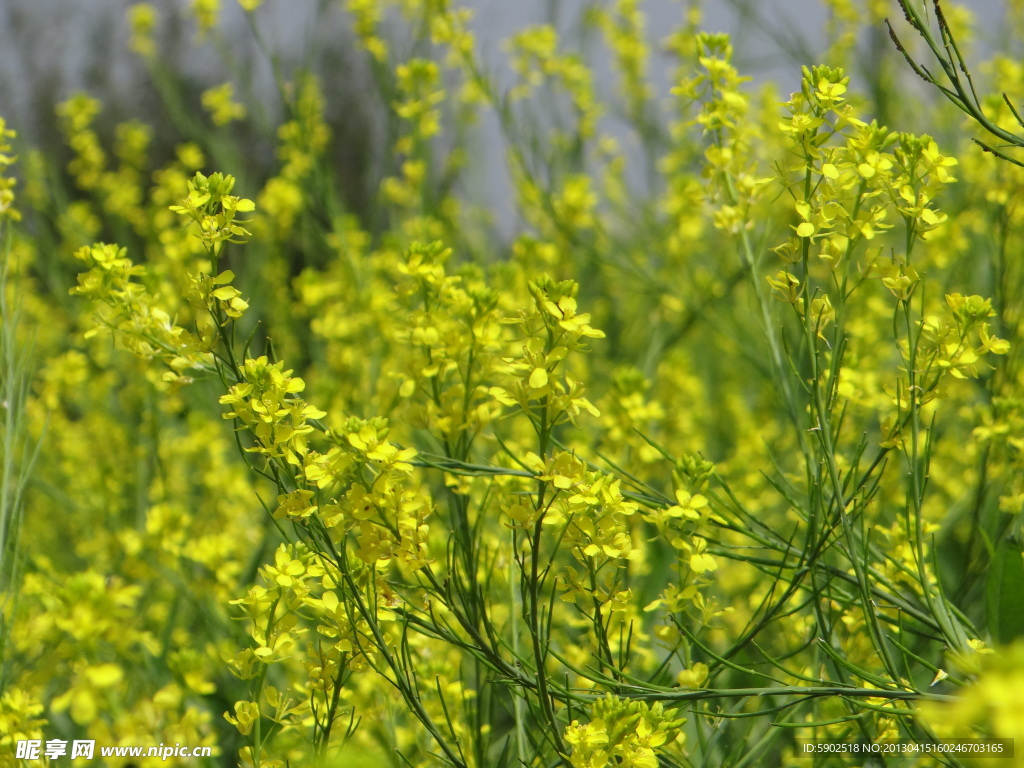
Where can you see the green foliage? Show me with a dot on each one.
(719, 452)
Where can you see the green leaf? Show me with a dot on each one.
(1004, 588)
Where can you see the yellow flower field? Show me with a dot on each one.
(715, 458)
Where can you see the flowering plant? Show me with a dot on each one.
(716, 455)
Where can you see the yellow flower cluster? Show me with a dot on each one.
(622, 731)
(263, 402)
(7, 209)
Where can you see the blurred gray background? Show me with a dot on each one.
(50, 49)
